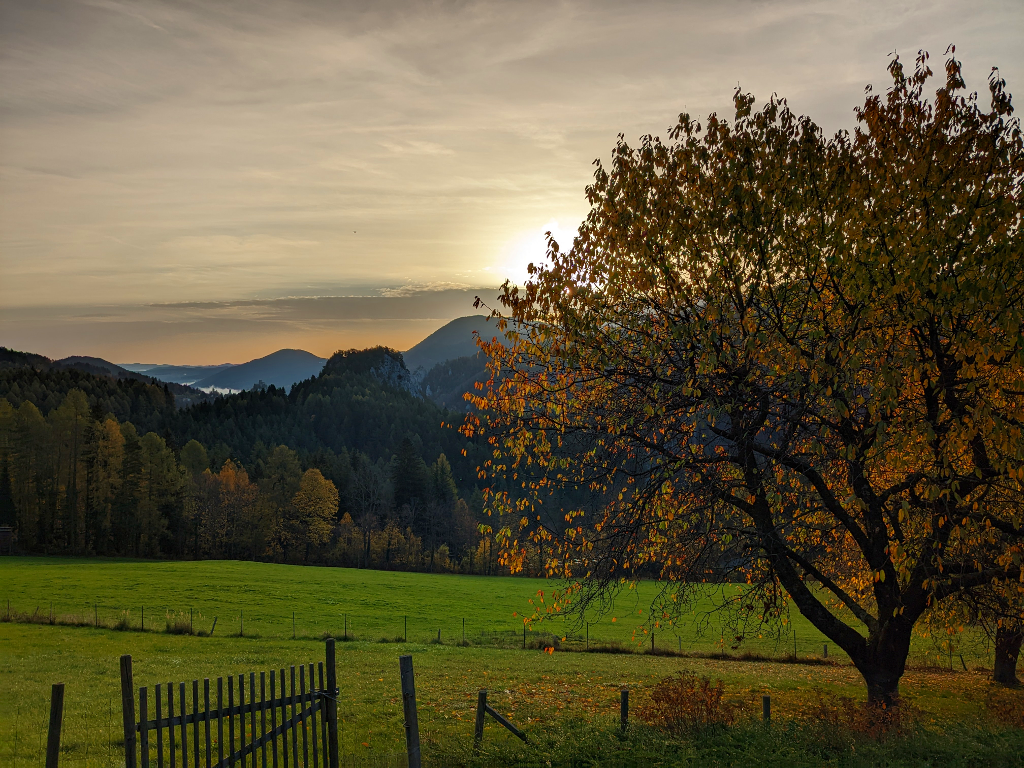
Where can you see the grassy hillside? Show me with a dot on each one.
(561, 699)
(264, 595)
(566, 702)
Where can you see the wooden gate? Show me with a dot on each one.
(257, 731)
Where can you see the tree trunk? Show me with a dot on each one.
(883, 687)
(1008, 642)
(883, 660)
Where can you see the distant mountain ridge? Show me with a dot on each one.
(180, 374)
(109, 389)
(449, 342)
(361, 400)
(184, 396)
(283, 369)
(448, 363)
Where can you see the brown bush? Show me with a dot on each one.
(842, 715)
(685, 702)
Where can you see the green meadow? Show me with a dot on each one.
(567, 702)
(260, 599)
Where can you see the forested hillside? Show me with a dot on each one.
(447, 383)
(349, 468)
(362, 401)
(145, 404)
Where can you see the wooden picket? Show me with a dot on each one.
(300, 709)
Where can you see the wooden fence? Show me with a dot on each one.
(256, 730)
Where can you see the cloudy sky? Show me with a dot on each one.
(200, 182)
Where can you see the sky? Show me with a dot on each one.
(207, 182)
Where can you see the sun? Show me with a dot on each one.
(530, 247)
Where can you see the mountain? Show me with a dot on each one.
(360, 401)
(97, 366)
(280, 369)
(179, 374)
(10, 358)
(448, 342)
(28, 378)
(184, 396)
(448, 382)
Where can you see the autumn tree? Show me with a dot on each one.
(316, 510)
(782, 359)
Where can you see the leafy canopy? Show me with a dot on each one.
(783, 359)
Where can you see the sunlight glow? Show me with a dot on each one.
(530, 247)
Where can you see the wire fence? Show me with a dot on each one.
(92, 736)
(955, 650)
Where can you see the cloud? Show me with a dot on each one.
(236, 331)
(161, 151)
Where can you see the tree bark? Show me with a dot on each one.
(883, 660)
(1008, 642)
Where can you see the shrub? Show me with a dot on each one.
(543, 642)
(685, 702)
(611, 647)
(842, 716)
(179, 623)
(123, 622)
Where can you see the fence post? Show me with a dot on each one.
(128, 710)
(624, 708)
(766, 709)
(56, 720)
(825, 649)
(332, 705)
(481, 710)
(412, 726)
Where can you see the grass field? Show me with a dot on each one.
(260, 599)
(543, 693)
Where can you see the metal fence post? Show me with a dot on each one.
(128, 710)
(56, 720)
(766, 709)
(412, 726)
